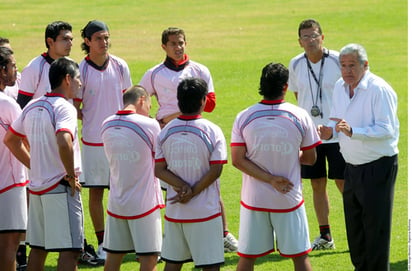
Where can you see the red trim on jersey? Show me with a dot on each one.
(210, 102)
(218, 162)
(271, 210)
(65, 130)
(256, 255)
(192, 220)
(193, 117)
(16, 133)
(26, 93)
(235, 144)
(125, 112)
(160, 206)
(272, 101)
(45, 190)
(160, 160)
(77, 99)
(13, 186)
(311, 146)
(296, 255)
(92, 144)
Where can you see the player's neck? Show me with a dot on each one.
(314, 57)
(98, 59)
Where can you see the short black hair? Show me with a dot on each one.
(59, 69)
(53, 30)
(190, 94)
(172, 31)
(5, 54)
(309, 23)
(273, 80)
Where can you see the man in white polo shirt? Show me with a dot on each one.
(270, 140)
(133, 223)
(104, 78)
(190, 154)
(55, 210)
(13, 180)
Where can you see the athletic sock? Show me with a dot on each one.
(225, 233)
(100, 236)
(325, 232)
(21, 257)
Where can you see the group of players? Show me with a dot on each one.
(126, 150)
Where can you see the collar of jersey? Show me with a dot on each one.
(94, 65)
(47, 57)
(193, 117)
(272, 101)
(125, 112)
(170, 63)
(51, 94)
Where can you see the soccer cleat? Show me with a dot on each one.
(89, 257)
(230, 243)
(101, 254)
(322, 244)
(21, 267)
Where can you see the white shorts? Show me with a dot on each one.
(95, 166)
(56, 220)
(13, 210)
(259, 230)
(142, 235)
(201, 242)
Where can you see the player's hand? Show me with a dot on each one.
(282, 184)
(74, 183)
(325, 132)
(184, 194)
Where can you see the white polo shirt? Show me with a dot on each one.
(302, 82)
(372, 115)
(129, 143)
(101, 94)
(273, 133)
(12, 172)
(40, 122)
(35, 77)
(162, 82)
(189, 145)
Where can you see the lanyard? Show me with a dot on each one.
(318, 81)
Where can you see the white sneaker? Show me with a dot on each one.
(101, 254)
(322, 244)
(230, 243)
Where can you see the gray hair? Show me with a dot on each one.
(357, 49)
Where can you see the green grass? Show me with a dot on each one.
(235, 39)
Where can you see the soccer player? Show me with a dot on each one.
(35, 76)
(133, 223)
(190, 154)
(55, 220)
(270, 140)
(13, 90)
(312, 78)
(104, 79)
(162, 81)
(13, 206)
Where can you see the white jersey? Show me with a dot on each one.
(13, 91)
(101, 94)
(12, 172)
(302, 81)
(129, 143)
(189, 145)
(162, 82)
(273, 133)
(35, 77)
(40, 121)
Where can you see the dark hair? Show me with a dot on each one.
(5, 54)
(190, 94)
(4, 41)
(309, 23)
(133, 93)
(53, 30)
(88, 31)
(59, 69)
(273, 80)
(172, 31)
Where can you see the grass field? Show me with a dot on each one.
(235, 39)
